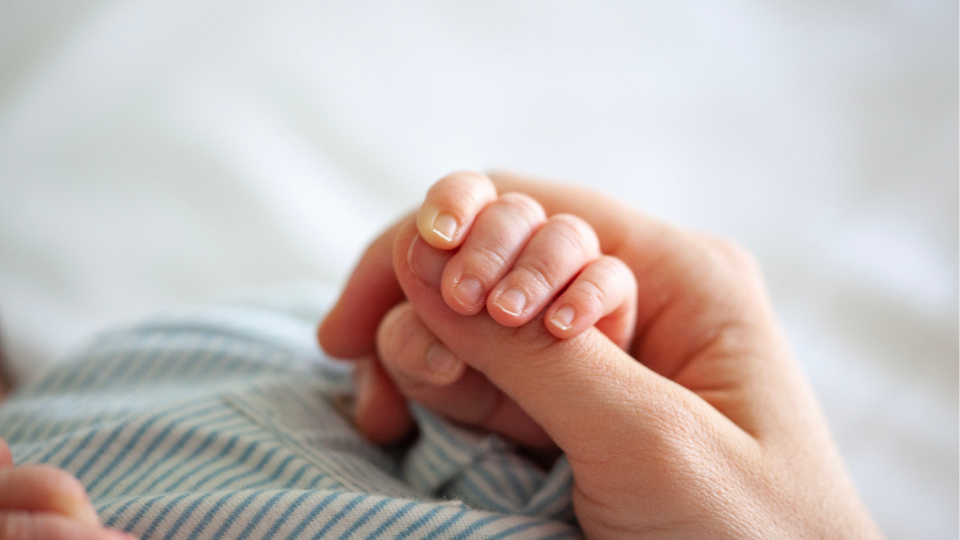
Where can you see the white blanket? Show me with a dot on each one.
(157, 154)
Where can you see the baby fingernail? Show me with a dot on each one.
(445, 226)
(427, 262)
(512, 301)
(440, 359)
(468, 292)
(563, 318)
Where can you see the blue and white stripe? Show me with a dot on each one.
(221, 423)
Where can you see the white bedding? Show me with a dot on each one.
(157, 154)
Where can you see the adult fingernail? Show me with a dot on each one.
(427, 262)
(512, 301)
(563, 318)
(445, 226)
(440, 359)
(468, 292)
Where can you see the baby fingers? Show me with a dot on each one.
(514, 260)
(41, 488)
(551, 259)
(603, 294)
(450, 207)
(497, 239)
(22, 525)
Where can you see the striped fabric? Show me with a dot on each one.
(224, 423)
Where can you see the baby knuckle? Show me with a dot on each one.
(592, 289)
(610, 266)
(488, 259)
(464, 180)
(621, 273)
(574, 233)
(473, 175)
(527, 207)
(462, 187)
(540, 272)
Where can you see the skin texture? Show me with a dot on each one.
(38, 502)
(505, 249)
(506, 243)
(703, 428)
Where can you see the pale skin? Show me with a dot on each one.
(43, 502)
(518, 264)
(703, 427)
(38, 502)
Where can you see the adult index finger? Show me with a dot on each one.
(350, 328)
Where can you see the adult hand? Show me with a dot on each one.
(43, 503)
(705, 429)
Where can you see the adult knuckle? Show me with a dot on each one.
(679, 432)
(734, 254)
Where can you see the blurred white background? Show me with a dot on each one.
(157, 154)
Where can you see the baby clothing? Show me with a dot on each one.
(228, 422)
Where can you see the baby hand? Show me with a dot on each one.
(503, 253)
(38, 502)
(514, 260)
(703, 429)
